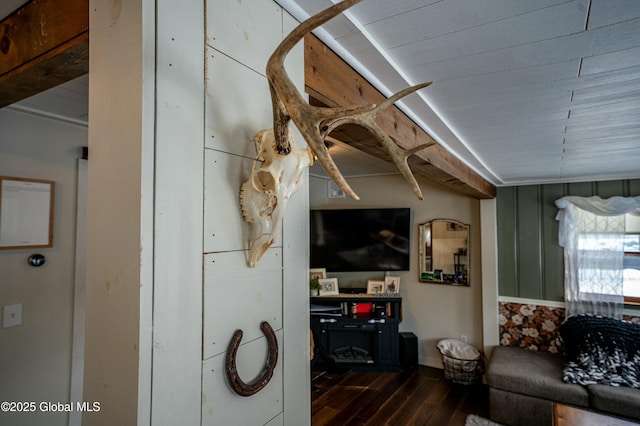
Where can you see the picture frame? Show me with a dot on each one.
(428, 276)
(329, 286)
(375, 287)
(26, 213)
(317, 273)
(392, 285)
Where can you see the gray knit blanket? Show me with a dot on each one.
(601, 351)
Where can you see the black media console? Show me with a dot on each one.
(359, 330)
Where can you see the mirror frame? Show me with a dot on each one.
(426, 244)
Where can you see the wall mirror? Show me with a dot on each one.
(444, 252)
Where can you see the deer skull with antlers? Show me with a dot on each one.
(263, 200)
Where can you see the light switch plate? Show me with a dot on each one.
(12, 315)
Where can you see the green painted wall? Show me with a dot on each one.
(530, 263)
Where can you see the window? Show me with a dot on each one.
(631, 265)
(592, 242)
(593, 233)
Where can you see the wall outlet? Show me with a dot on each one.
(464, 338)
(12, 315)
(334, 191)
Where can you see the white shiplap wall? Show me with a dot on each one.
(240, 38)
(169, 136)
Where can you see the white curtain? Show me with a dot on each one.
(592, 233)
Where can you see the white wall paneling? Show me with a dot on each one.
(277, 421)
(224, 228)
(240, 38)
(233, 118)
(297, 387)
(296, 308)
(238, 297)
(177, 314)
(221, 406)
(246, 31)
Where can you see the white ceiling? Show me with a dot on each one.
(525, 91)
(68, 102)
(8, 6)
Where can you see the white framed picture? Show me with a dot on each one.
(375, 287)
(329, 286)
(317, 273)
(392, 285)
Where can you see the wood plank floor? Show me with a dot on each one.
(423, 397)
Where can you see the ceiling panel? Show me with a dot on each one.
(491, 36)
(522, 92)
(67, 102)
(514, 80)
(607, 12)
(9, 6)
(618, 60)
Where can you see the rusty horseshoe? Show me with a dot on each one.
(238, 386)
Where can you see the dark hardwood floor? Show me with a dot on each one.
(423, 397)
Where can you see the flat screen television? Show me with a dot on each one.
(349, 240)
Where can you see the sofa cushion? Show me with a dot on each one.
(617, 400)
(514, 409)
(537, 374)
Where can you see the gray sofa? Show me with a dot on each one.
(524, 384)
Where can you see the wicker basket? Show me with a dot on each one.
(463, 371)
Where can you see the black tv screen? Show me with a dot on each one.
(349, 240)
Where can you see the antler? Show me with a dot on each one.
(315, 123)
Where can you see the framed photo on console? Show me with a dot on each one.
(317, 273)
(375, 287)
(392, 285)
(329, 286)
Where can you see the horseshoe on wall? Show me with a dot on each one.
(248, 389)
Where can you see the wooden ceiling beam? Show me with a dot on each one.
(43, 44)
(329, 81)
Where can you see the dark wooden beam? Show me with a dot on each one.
(330, 81)
(43, 44)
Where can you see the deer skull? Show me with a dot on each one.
(274, 179)
(264, 197)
